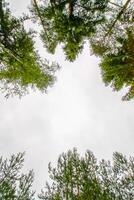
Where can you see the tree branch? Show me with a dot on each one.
(40, 17)
(118, 17)
(115, 4)
(11, 54)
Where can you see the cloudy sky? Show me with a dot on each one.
(78, 111)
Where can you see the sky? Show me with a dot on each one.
(78, 111)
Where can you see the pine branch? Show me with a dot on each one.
(118, 17)
(40, 17)
(11, 54)
(4, 32)
(115, 4)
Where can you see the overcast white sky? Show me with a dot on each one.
(79, 111)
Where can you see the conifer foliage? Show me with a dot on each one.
(114, 44)
(21, 68)
(74, 178)
(107, 25)
(14, 185)
(68, 22)
(83, 178)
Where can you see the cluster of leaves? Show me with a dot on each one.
(21, 67)
(13, 184)
(82, 178)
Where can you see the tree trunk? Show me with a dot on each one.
(3, 25)
(35, 4)
(71, 9)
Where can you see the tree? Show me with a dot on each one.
(114, 43)
(118, 68)
(105, 24)
(21, 68)
(14, 185)
(74, 178)
(69, 22)
(83, 178)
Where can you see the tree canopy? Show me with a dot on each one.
(68, 22)
(83, 178)
(114, 44)
(21, 68)
(74, 178)
(107, 25)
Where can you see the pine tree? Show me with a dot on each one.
(114, 44)
(68, 22)
(105, 24)
(21, 68)
(83, 178)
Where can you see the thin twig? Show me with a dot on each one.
(115, 4)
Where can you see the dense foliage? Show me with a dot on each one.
(107, 25)
(114, 44)
(21, 67)
(69, 22)
(83, 178)
(118, 68)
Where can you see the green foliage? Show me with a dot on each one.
(118, 68)
(69, 22)
(114, 44)
(74, 178)
(104, 23)
(107, 25)
(21, 68)
(15, 185)
(83, 178)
